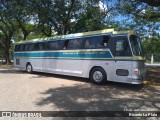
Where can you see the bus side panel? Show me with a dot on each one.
(106, 65)
(122, 71)
(20, 62)
(72, 67)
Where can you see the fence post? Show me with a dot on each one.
(152, 59)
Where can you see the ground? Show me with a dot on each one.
(21, 91)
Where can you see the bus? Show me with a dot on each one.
(103, 55)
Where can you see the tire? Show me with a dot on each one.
(98, 76)
(29, 68)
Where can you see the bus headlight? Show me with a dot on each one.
(136, 71)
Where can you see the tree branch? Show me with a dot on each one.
(154, 3)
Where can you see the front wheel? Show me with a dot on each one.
(29, 68)
(98, 76)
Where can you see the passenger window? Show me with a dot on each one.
(105, 41)
(76, 44)
(122, 48)
(94, 43)
(36, 47)
(30, 47)
(27, 47)
(56, 45)
(21, 48)
(50, 46)
(17, 48)
(42, 46)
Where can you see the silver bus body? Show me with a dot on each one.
(80, 62)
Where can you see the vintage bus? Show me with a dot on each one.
(103, 55)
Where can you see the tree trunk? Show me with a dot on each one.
(25, 35)
(7, 56)
(2, 58)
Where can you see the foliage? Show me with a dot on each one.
(151, 45)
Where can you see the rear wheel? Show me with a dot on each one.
(29, 68)
(98, 76)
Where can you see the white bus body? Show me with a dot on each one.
(112, 58)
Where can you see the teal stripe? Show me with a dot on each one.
(80, 54)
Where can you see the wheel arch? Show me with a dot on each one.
(96, 67)
(28, 63)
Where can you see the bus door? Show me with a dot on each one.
(122, 63)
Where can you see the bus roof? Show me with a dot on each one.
(81, 35)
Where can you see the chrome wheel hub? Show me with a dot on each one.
(29, 68)
(97, 76)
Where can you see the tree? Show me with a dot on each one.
(1, 50)
(64, 17)
(55, 15)
(8, 26)
(154, 3)
(23, 14)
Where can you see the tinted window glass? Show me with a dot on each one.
(36, 46)
(76, 44)
(42, 46)
(31, 46)
(122, 48)
(94, 42)
(17, 47)
(136, 45)
(27, 47)
(105, 41)
(21, 48)
(55, 45)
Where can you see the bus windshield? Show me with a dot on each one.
(136, 45)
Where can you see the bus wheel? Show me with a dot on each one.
(98, 76)
(29, 68)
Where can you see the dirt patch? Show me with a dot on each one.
(4, 66)
(153, 74)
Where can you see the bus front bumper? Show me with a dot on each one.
(138, 79)
(134, 81)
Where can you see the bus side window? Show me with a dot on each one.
(55, 45)
(27, 47)
(59, 45)
(17, 48)
(105, 41)
(50, 45)
(122, 48)
(94, 42)
(76, 44)
(36, 47)
(65, 44)
(31, 46)
(21, 48)
(42, 46)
